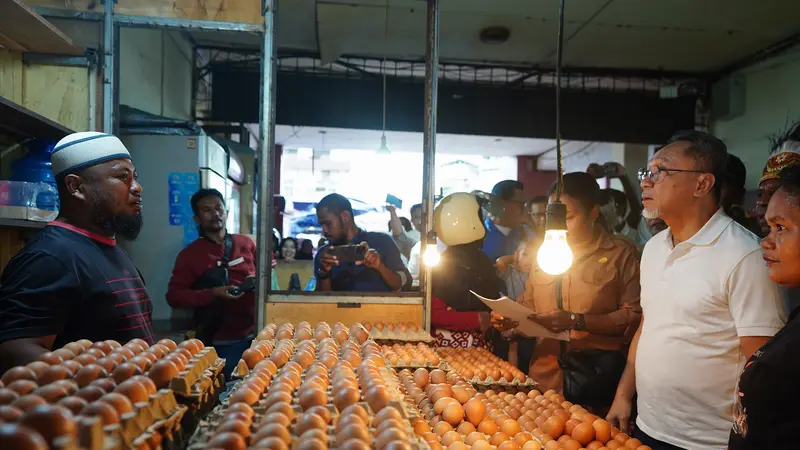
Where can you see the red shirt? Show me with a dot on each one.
(446, 318)
(194, 261)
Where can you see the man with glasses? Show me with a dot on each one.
(505, 232)
(207, 276)
(707, 303)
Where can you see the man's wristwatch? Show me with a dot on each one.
(323, 275)
(580, 321)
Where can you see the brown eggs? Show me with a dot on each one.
(105, 411)
(162, 372)
(19, 437)
(18, 373)
(50, 421)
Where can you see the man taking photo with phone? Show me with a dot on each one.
(354, 259)
(211, 277)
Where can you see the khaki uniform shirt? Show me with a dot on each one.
(603, 279)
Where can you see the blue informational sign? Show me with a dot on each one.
(182, 185)
(190, 233)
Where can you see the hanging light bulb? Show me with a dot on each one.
(383, 149)
(431, 256)
(554, 256)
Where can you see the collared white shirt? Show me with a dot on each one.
(698, 298)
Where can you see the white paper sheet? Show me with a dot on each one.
(514, 311)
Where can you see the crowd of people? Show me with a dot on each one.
(675, 306)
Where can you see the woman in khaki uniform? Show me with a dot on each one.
(600, 291)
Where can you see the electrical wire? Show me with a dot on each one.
(385, 44)
(559, 55)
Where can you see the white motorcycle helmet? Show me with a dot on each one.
(457, 220)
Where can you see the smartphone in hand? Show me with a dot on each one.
(394, 201)
(348, 253)
(248, 285)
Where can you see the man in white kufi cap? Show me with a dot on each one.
(72, 281)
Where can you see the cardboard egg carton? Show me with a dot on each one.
(157, 419)
(516, 382)
(198, 380)
(400, 336)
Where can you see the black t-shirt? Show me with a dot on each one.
(766, 413)
(466, 268)
(75, 285)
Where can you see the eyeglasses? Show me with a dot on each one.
(656, 174)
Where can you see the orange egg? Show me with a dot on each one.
(50, 421)
(583, 433)
(18, 373)
(453, 413)
(162, 373)
(122, 404)
(498, 438)
(633, 443)
(227, 441)
(487, 427)
(475, 411)
(273, 430)
(554, 426)
(622, 438)
(532, 445)
(602, 430)
(9, 413)
(508, 445)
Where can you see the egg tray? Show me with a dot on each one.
(442, 366)
(161, 415)
(400, 336)
(490, 382)
(241, 370)
(204, 432)
(193, 382)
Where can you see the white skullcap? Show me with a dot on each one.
(86, 149)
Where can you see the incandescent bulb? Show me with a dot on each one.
(431, 255)
(554, 256)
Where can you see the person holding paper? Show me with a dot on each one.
(600, 292)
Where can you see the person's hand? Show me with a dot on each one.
(556, 321)
(327, 261)
(392, 209)
(503, 262)
(595, 170)
(501, 323)
(222, 293)
(372, 258)
(613, 170)
(620, 414)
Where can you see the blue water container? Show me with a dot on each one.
(36, 167)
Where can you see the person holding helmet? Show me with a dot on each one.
(598, 296)
(464, 267)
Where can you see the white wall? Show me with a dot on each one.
(772, 96)
(155, 72)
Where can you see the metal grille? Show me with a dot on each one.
(594, 80)
(354, 67)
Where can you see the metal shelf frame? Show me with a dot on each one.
(266, 142)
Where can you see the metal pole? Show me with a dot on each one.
(266, 166)
(429, 143)
(108, 66)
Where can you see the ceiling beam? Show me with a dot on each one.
(764, 54)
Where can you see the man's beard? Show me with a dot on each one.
(650, 213)
(127, 225)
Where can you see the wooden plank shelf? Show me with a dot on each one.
(19, 120)
(23, 30)
(18, 223)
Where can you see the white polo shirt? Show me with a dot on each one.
(698, 298)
